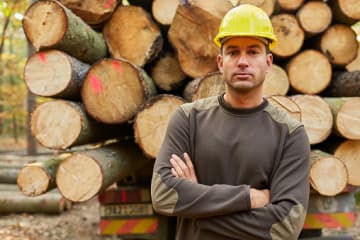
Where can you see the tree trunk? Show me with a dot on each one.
(60, 124)
(267, 5)
(48, 24)
(114, 90)
(354, 65)
(211, 84)
(314, 17)
(93, 12)
(339, 44)
(324, 165)
(8, 174)
(276, 82)
(289, 33)
(346, 11)
(131, 28)
(15, 202)
(164, 11)
(286, 104)
(349, 153)
(38, 178)
(151, 122)
(345, 84)
(346, 113)
(309, 72)
(316, 116)
(289, 5)
(167, 73)
(53, 73)
(197, 55)
(84, 175)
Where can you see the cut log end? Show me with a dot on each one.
(48, 125)
(348, 119)
(349, 153)
(79, 178)
(288, 105)
(210, 85)
(321, 181)
(315, 17)
(267, 5)
(276, 82)
(164, 10)
(33, 180)
(45, 23)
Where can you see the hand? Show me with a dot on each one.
(183, 169)
(259, 198)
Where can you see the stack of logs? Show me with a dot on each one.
(118, 71)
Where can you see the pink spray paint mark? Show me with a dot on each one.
(109, 3)
(117, 66)
(42, 57)
(96, 84)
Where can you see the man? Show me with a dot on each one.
(235, 166)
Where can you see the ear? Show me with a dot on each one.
(269, 61)
(219, 60)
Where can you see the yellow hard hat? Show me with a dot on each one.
(246, 20)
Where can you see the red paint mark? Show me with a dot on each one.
(123, 196)
(116, 65)
(96, 84)
(42, 57)
(109, 3)
(153, 227)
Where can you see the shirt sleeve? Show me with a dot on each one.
(284, 217)
(180, 197)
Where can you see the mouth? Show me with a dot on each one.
(242, 75)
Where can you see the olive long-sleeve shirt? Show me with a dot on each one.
(234, 150)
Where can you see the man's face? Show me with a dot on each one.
(244, 63)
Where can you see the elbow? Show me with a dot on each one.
(291, 226)
(163, 198)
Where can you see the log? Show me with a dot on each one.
(217, 8)
(93, 12)
(276, 82)
(287, 104)
(151, 122)
(114, 90)
(267, 5)
(339, 44)
(38, 178)
(309, 72)
(346, 113)
(61, 124)
(344, 202)
(164, 11)
(314, 17)
(130, 28)
(167, 73)
(289, 33)
(349, 152)
(289, 5)
(324, 165)
(211, 84)
(354, 65)
(85, 174)
(8, 174)
(48, 24)
(55, 74)
(316, 116)
(197, 55)
(346, 11)
(344, 84)
(16, 202)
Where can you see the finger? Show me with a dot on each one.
(174, 172)
(184, 168)
(176, 167)
(188, 161)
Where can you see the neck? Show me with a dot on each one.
(244, 100)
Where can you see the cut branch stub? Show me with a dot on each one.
(114, 90)
(49, 24)
(152, 120)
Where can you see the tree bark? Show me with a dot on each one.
(114, 90)
(267, 5)
(130, 28)
(324, 165)
(151, 122)
(309, 72)
(344, 84)
(211, 84)
(276, 82)
(287, 104)
(38, 178)
(53, 73)
(339, 44)
(314, 17)
(8, 174)
(167, 73)
(349, 153)
(60, 124)
(93, 12)
(316, 117)
(164, 11)
(346, 113)
(48, 24)
(85, 174)
(346, 11)
(289, 33)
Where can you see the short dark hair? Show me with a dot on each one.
(267, 49)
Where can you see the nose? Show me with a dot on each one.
(243, 60)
